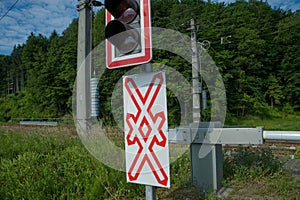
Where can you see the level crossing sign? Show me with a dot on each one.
(146, 128)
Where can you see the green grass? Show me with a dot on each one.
(283, 122)
(52, 163)
(257, 174)
(277, 186)
(43, 164)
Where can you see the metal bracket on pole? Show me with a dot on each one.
(207, 135)
(207, 171)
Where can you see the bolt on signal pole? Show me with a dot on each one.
(83, 94)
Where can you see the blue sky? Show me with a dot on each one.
(43, 16)
(283, 4)
(37, 16)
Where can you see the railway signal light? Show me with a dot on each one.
(128, 32)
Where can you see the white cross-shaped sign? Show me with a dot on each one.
(146, 126)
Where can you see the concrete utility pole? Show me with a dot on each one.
(83, 94)
(195, 74)
(206, 172)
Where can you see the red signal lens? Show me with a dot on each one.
(127, 12)
(122, 10)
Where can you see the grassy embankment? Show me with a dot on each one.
(270, 181)
(52, 163)
(283, 122)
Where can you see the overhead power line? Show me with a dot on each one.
(5, 14)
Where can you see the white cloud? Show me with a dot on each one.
(286, 4)
(37, 16)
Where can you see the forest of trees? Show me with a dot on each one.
(259, 59)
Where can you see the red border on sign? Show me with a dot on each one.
(139, 59)
(149, 142)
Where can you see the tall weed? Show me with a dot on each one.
(51, 166)
(246, 163)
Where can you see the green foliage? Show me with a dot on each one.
(247, 164)
(258, 59)
(179, 170)
(42, 74)
(279, 120)
(297, 153)
(274, 92)
(258, 174)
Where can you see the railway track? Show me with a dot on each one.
(276, 146)
(286, 148)
(29, 125)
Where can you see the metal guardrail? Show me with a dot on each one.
(212, 134)
(282, 135)
(38, 123)
(42, 121)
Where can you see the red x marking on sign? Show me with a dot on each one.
(146, 152)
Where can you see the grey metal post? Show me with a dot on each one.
(150, 193)
(150, 190)
(83, 97)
